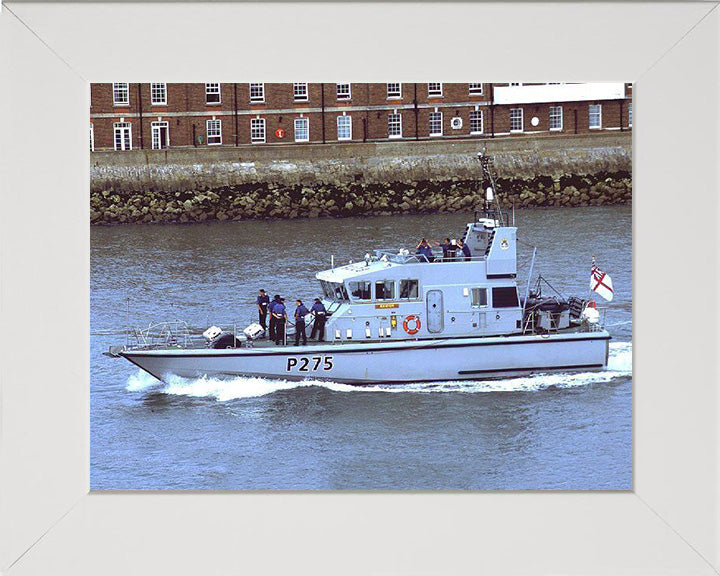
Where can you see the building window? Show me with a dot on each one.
(344, 127)
(160, 132)
(476, 122)
(595, 116)
(479, 297)
(394, 90)
(516, 119)
(394, 125)
(630, 114)
(343, 91)
(436, 124)
(257, 92)
(300, 92)
(556, 118)
(434, 89)
(214, 131)
(121, 94)
(92, 138)
(158, 93)
(476, 88)
(212, 93)
(257, 130)
(302, 130)
(123, 135)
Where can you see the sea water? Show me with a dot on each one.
(554, 431)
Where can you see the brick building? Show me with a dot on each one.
(127, 116)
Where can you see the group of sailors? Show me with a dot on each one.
(453, 250)
(278, 318)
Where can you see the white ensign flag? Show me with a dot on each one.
(601, 283)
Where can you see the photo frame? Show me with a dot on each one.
(50, 523)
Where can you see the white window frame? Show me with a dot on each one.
(482, 121)
(258, 98)
(160, 87)
(122, 125)
(591, 113)
(258, 132)
(159, 124)
(348, 121)
(432, 119)
(219, 132)
(92, 137)
(394, 94)
(399, 124)
(435, 89)
(300, 92)
(475, 89)
(117, 87)
(341, 95)
(213, 88)
(630, 115)
(301, 120)
(522, 120)
(550, 118)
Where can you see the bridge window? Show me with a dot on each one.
(479, 297)
(505, 297)
(384, 290)
(334, 290)
(408, 289)
(360, 290)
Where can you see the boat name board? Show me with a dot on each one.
(388, 305)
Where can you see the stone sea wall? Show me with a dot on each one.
(159, 187)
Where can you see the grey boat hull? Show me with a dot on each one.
(388, 362)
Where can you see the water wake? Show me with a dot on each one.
(619, 365)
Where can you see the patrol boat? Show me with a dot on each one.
(396, 317)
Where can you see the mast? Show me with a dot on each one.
(487, 163)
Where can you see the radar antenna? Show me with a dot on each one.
(492, 204)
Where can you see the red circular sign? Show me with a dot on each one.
(280, 133)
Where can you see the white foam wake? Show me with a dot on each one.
(619, 365)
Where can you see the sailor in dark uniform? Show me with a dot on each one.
(280, 315)
(262, 303)
(465, 250)
(300, 312)
(320, 314)
(273, 321)
(446, 247)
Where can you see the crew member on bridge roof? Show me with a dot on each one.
(262, 303)
(465, 250)
(320, 314)
(446, 247)
(300, 312)
(424, 249)
(280, 315)
(273, 320)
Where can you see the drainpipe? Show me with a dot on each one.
(492, 111)
(139, 91)
(575, 120)
(194, 137)
(622, 129)
(415, 104)
(235, 112)
(322, 106)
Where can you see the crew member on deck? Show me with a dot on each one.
(465, 250)
(280, 315)
(300, 312)
(262, 303)
(320, 314)
(273, 320)
(424, 249)
(446, 247)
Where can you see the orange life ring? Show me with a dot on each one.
(416, 328)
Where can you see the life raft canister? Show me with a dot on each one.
(416, 324)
